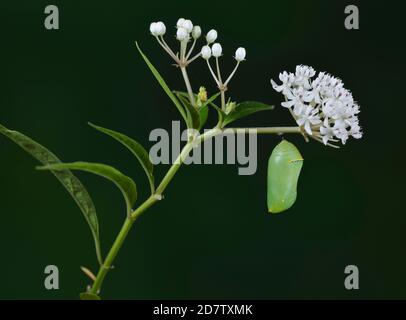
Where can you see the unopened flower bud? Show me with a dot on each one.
(180, 22)
(206, 52)
(153, 28)
(182, 34)
(196, 32)
(211, 36)
(240, 54)
(188, 25)
(202, 95)
(230, 107)
(216, 49)
(160, 28)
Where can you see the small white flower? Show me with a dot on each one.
(287, 81)
(188, 25)
(355, 131)
(211, 36)
(180, 22)
(182, 34)
(240, 54)
(297, 104)
(206, 52)
(308, 117)
(303, 73)
(196, 32)
(342, 134)
(326, 131)
(160, 28)
(216, 50)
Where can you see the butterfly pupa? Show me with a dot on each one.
(284, 166)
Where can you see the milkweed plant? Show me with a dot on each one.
(320, 105)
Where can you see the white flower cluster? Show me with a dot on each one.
(322, 106)
(185, 32)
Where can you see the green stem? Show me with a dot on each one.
(221, 86)
(107, 264)
(266, 130)
(188, 86)
(223, 99)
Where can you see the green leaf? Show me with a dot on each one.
(125, 184)
(68, 180)
(203, 115)
(89, 296)
(244, 109)
(182, 93)
(136, 149)
(221, 114)
(211, 99)
(162, 82)
(186, 95)
(193, 115)
(203, 110)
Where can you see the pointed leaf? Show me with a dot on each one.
(221, 114)
(135, 148)
(186, 95)
(203, 110)
(182, 93)
(244, 109)
(125, 184)
(162, 82)
(193, 115)
(203, 115)
(68, 180)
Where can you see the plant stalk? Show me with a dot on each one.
(107, 264)
(223, 98)
(188, 86)
(265, 130)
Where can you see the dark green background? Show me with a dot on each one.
(212, 236)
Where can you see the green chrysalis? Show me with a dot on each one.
(284, 167)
